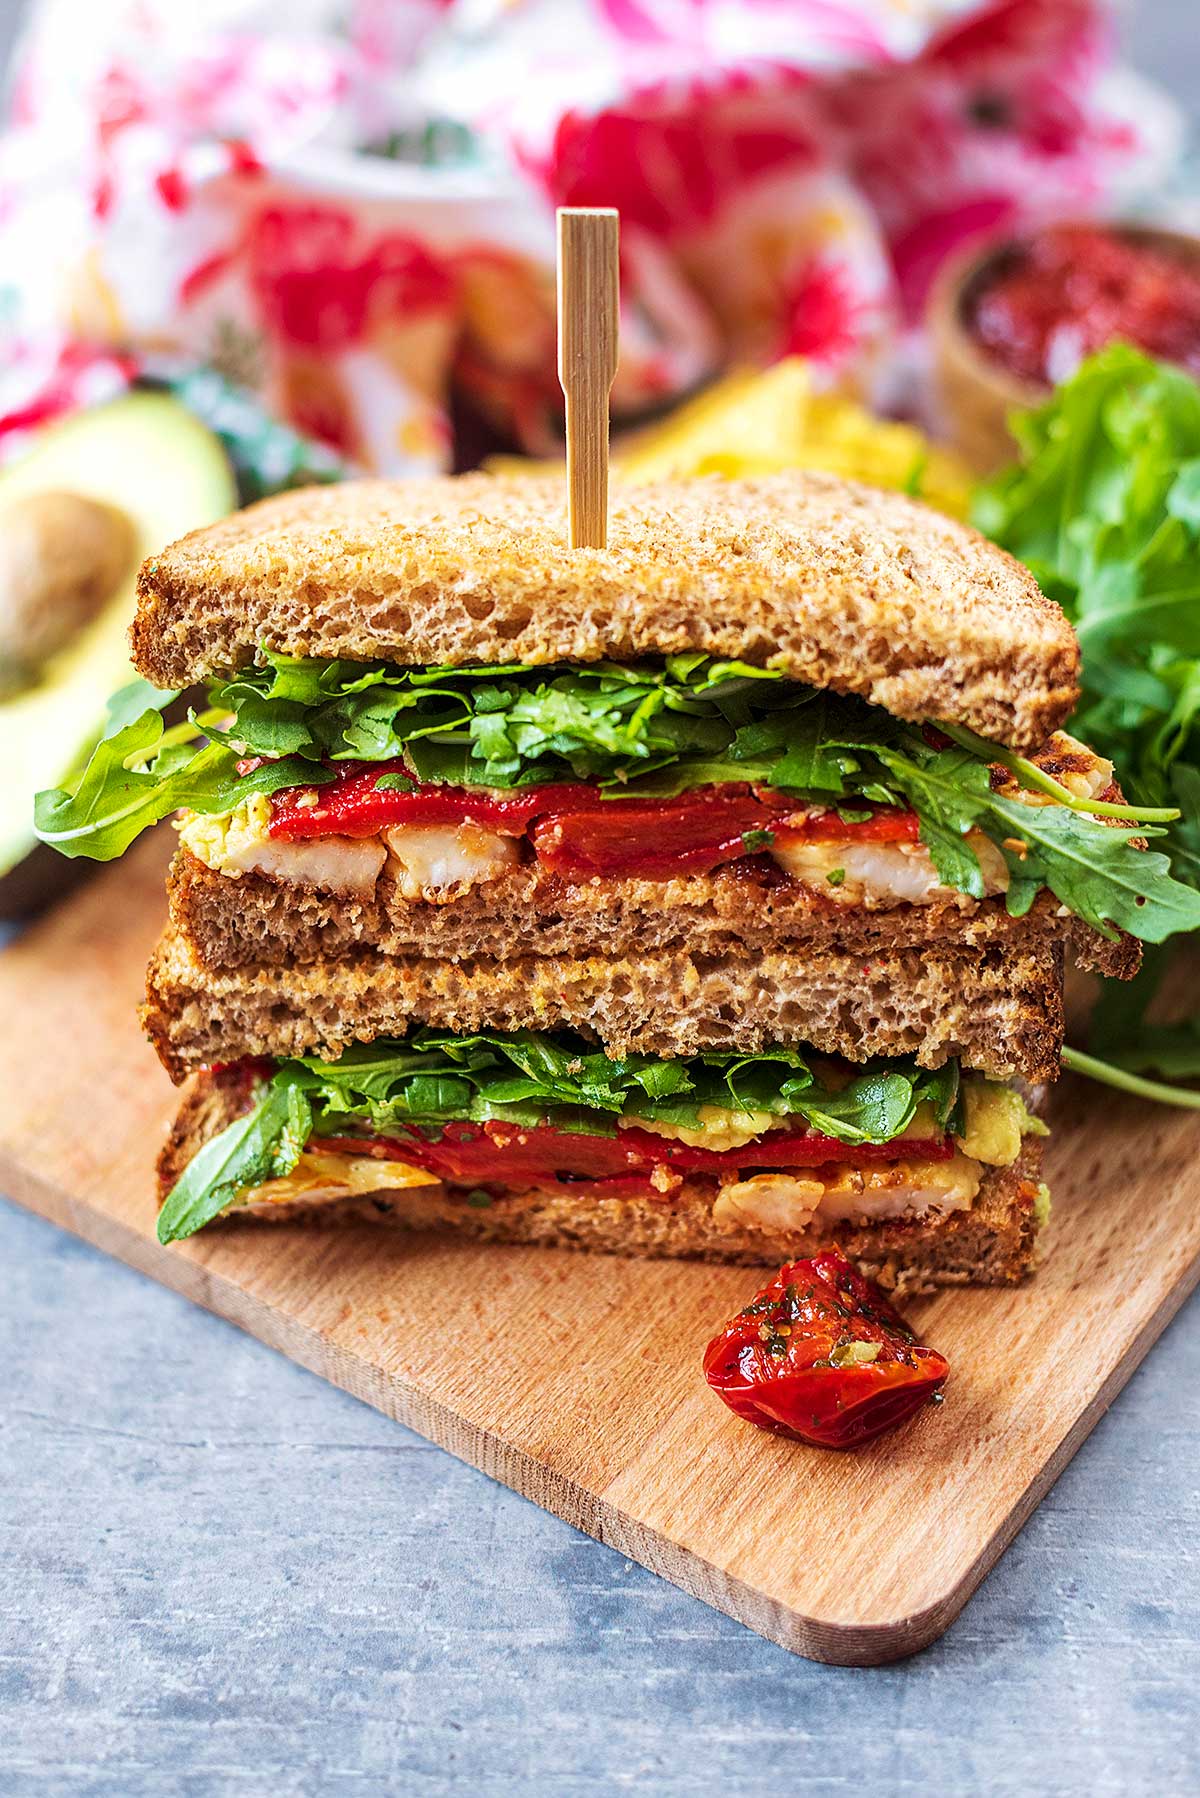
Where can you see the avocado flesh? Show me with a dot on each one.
(147, 455)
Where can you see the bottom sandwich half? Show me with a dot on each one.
(924, 1179)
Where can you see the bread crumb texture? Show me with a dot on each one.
(258, 921)
(998, 1010)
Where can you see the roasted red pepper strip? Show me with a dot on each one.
(791, 1361)
(463, 1155)
(497, 1154)
(885, 825)
(653, 839)
(354, 805)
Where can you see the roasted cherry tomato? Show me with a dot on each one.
(820, 1355)
(354, 805)
(497, 1154)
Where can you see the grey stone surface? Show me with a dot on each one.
(218, 1574)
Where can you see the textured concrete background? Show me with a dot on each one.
(219, 1575)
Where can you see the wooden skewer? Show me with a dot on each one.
(587, 361)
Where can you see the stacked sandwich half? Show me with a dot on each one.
(705, 894)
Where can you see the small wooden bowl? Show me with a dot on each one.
(974, 393)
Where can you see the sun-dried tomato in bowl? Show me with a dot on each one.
(1068, 290)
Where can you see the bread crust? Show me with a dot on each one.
(998, 1010)
(834, 583)
(256, 920)
(994, 1243)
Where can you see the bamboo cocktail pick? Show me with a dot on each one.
(587, 361)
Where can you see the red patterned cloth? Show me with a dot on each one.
(355, 221)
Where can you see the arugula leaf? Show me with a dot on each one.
(1097, 872)
(950, 792)
(128, 704)
(873, 1108)
(534, 1077)
(142, 772)
(113, 801)
(515, 724)
(263, 1145)
(1104, 506)
(498, 726)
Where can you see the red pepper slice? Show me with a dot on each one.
(887, 824)
(655, 839)
(787, 1362)
(354, 806)
(497, 1154)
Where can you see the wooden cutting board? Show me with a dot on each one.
(576, 1379)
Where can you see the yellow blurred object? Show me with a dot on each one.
(760, 423)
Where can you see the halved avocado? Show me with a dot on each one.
(148, 457)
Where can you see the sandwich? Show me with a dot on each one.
(781, 772)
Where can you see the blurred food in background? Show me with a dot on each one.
(1103, 505)
(1012, 320)
(1052, 299)
(345, 207)
(92, 496)
(761, 423)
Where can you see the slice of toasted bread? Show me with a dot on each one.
(834, 583)
(999, 1010)
(258, 920)
(993, 1243)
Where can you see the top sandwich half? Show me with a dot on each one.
(823, 582)
(790, 716)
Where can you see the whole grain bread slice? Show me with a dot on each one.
(999, 1010)
(258, 920)
(993, 1243)
(834, 583)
